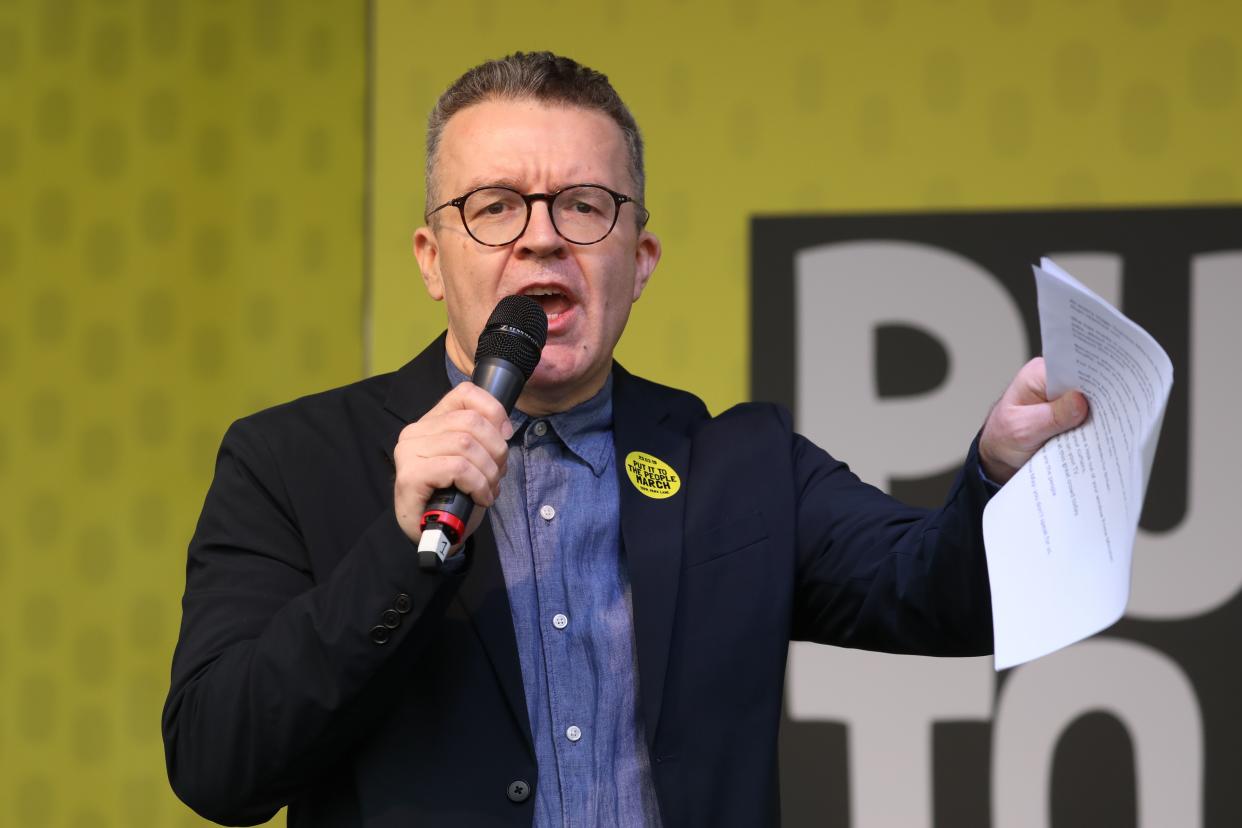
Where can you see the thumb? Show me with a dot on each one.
(1066, 412)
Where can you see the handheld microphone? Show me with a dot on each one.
(508, 351)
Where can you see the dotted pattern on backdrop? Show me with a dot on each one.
(180, 244)
(805, 106)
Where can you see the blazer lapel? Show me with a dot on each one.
(415, 389)
(651, 531)
(486, 599)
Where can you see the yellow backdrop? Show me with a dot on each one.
(185, 191)
(180, 243)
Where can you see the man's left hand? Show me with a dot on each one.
(1024, 419)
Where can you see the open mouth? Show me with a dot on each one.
(553, 302)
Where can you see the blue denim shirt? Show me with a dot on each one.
(558, 532)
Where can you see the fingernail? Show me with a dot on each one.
(506, 429)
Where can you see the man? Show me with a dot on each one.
(608, 647)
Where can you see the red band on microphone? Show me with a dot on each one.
(453, 525)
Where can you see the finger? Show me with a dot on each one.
(470, 397)
(459, 444)
(447, 473)
(465, 421)
(478, 428)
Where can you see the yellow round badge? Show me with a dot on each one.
(651, 475)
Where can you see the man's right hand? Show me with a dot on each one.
(461, 444)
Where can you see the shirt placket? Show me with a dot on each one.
(547, 490)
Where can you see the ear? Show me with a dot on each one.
(427, 251)
(646, 257)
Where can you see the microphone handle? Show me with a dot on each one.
(449, 509)
(500, 378)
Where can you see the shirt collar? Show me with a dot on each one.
(586, 429)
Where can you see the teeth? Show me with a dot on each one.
(542, 292)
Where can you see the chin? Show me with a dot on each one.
(558, 371)
(549, 376)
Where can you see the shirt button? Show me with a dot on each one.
(573, 734)
(560, 621)
(547, 512)
(540, 428)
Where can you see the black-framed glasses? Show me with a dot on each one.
(581, 213)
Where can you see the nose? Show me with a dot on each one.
(540, 239)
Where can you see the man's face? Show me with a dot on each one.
(587, 290)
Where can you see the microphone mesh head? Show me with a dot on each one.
(516, 332)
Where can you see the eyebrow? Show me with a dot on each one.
(515, 184)
(476, 183)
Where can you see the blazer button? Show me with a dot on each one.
(518, 791)
(403, 604)
(380, 634)
(391, 619)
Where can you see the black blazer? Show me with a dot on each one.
(319, 668)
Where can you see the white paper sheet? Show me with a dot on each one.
(1060, 534)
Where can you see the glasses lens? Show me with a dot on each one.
(584, 215)
(495, 215)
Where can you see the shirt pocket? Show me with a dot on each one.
(720, 541)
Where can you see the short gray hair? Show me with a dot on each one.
(540, 76)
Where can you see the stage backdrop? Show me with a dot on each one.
(206, 208)
(1138, 726)
(180, 243)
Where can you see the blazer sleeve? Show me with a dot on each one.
(874, 573)
(276, 677)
